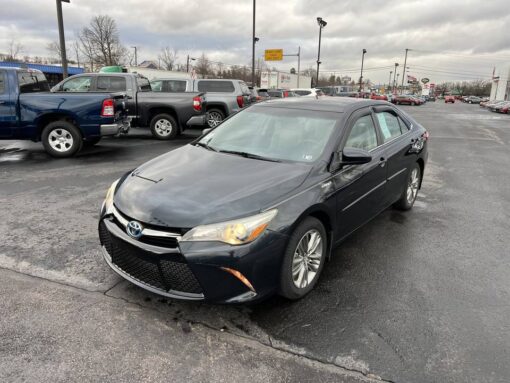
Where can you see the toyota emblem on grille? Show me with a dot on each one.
(134, 229)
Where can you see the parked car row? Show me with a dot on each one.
(497, 106)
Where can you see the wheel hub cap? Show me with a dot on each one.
(60, 140)
(163, 127)
(412, 187)
(307, 259)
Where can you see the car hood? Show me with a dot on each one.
(191, 186)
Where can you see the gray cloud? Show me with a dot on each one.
(452, 39)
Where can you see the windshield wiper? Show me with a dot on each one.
(249, 155)
(204, 145)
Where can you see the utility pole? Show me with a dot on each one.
(136, 58)
(62, 37)
(389, 81)
(404, 70)
(253, 41)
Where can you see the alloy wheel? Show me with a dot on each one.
(412, 186)
(214, 119)
(307, 258)
(60, 140)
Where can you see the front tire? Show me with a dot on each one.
(164, 127)
(61, 139)
(303, 259)
(410, 192)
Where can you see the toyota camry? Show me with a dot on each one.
(256, 206)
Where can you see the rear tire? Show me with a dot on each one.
(164, 127)
(410, 192)
(61, 139)
(214, 117)
(303, 259)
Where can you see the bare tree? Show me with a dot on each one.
(53, 49)
(100, 42)
(14, 48)
(168, 57)
(203, 66)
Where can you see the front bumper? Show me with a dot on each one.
(118, 127)
(195, 270)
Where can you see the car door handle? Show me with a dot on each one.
(382, 162)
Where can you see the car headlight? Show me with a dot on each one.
(235, 232)
(108, 201)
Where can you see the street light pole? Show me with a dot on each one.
(62, 37)
(322, 24)
(395, 77)
(404, 70)
(361, 76)
(389, 81)
(253, 48)
(187, 63)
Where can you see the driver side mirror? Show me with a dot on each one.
(349, 156)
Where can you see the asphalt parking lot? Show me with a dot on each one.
(420, 296)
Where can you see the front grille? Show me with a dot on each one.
(168, 242)
(160, 241)
(151, 269)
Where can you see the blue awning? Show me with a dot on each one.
(43, 68)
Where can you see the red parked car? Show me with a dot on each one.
(448, 99)
(406, 100)
(374, 96)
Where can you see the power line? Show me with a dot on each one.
(448, 71)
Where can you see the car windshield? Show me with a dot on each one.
(274, 134)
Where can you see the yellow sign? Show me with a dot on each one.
(273, 55)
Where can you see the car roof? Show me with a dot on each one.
(325, 104)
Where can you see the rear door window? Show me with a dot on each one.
(31, 82)
(111, 84)
(215, 86)
(389, 124)
(302, 92)
(174, 86)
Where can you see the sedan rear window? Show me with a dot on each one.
(215, 86)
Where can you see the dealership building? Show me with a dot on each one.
(54, 73)
(500, 89)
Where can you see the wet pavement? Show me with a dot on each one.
(418, 296)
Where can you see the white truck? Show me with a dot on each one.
(281, 80)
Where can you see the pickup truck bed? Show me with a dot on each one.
(63, 122)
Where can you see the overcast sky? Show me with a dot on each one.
(449, 40)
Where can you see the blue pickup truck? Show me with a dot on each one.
(63, 122)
